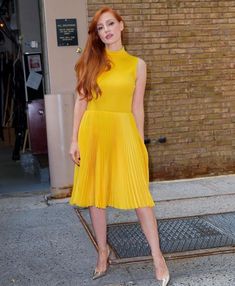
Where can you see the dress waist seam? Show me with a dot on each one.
(108, 111)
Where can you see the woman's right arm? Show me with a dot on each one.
(79, 109)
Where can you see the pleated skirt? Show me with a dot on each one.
(113, 168)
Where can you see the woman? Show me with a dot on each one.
(108, 137)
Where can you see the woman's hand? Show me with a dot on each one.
(75, 153)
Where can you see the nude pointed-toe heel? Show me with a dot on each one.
(165, 280)
(99, 274)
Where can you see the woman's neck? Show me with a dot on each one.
(114, 46)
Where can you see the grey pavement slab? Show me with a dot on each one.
(47, 245)
(190, 188)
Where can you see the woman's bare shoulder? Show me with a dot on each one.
(141, 63)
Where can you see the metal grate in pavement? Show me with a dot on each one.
(176, 235)
(224, 221)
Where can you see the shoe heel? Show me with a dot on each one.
(99, 274)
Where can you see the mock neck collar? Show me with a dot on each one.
(115, 52)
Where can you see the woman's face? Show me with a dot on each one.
(109, 29)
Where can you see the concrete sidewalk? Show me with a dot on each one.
(47, 245)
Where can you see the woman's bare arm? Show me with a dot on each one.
(79, 109)
(138, 97)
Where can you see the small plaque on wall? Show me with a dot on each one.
(66, 30)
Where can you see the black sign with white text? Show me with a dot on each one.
(66, 32)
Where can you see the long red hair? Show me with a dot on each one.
(93, 60)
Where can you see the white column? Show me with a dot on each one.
(60, 85)
(59, 120)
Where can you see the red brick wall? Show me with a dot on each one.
(189, 48)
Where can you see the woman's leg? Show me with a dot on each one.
(148, 224)
(98, 218)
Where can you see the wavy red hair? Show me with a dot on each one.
(93, 60)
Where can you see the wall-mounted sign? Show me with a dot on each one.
(34, 63)
(33, 76)
(66, 32)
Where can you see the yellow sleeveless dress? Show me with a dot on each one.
(113, 169)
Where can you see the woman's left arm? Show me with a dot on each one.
(138, 97)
